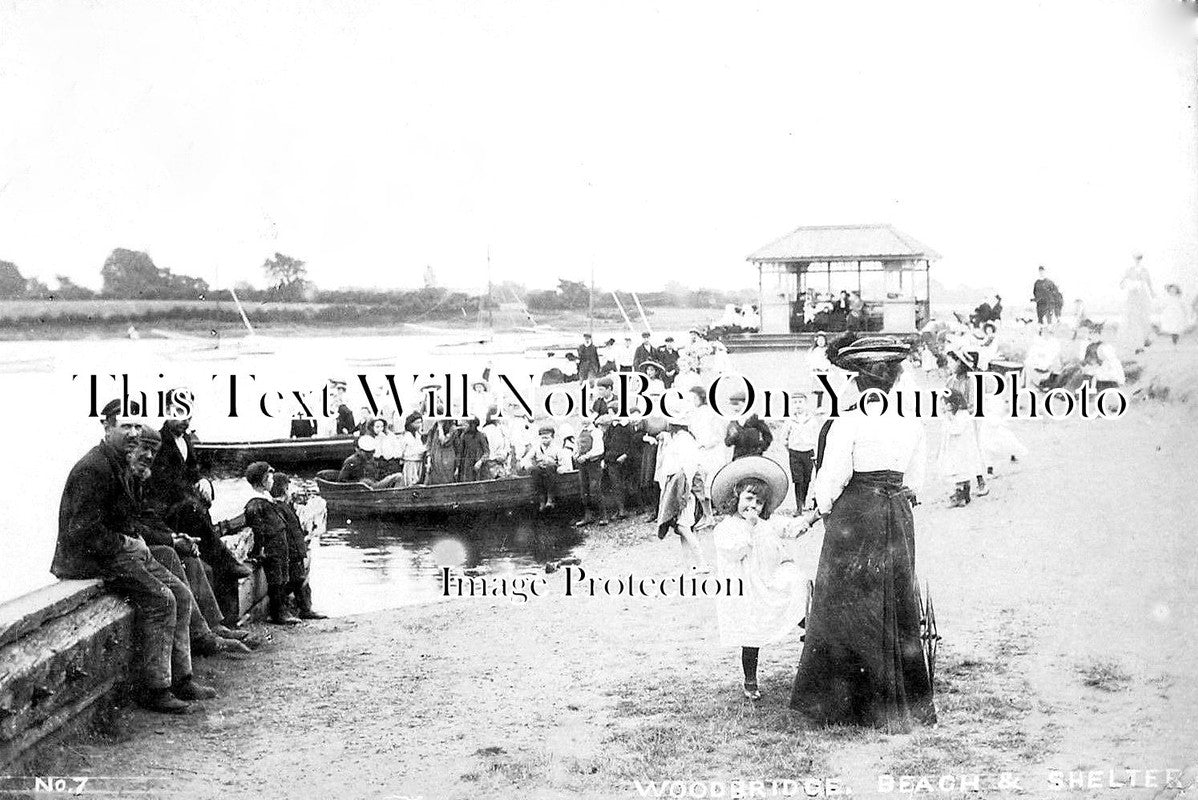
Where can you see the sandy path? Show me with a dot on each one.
(1084, 553)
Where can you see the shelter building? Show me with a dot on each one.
(803, 274)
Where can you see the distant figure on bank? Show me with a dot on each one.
(644, 352)
(1047, 297)
(1175, 317)
(588, 359)
(345, 415)
(1137, 312)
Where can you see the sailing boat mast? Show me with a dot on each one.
(490, 313)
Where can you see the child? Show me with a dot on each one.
(270, 547)
(750, 553)
(589, 461)
(542, 463)
(678, 507)
(960, 459)
(297, 548)
(802, 434)
(1175, 317)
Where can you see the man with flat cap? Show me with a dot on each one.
(179, 553)
(96, 539)
(588, 359)
(644, 352)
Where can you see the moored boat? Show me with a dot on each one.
(314, 451)
(501, 493)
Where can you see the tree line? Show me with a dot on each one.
(133, 275)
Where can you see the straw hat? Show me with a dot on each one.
(651, 363)
(765, 469)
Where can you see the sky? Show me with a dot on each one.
(649, 141)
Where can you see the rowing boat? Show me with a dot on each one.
(314, 451)
(502, 493)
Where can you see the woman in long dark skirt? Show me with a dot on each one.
(863, 660)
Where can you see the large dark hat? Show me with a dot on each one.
(652, 363)
(869, 349)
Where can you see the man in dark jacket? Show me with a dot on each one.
(1047, 297)
(96, 539)
(621, 458)
(644, 352)
(588, 359)
(747, 436)
(179, 554)
(174, 491)
(667, 356)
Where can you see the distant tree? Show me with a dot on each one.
(36, 290)
(288, 276)
(12, 283)
(132, 273)
(69, 290)
(575, 294)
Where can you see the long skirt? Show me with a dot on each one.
(863, 662)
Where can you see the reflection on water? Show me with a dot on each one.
(370, 564)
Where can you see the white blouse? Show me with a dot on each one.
(860, 443)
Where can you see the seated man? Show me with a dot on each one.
(362, 467)
(542, 462)
(178, 553)
(96, 539)
(297, 548)
(178, 494)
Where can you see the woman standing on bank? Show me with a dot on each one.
(1137, 313)
(863, 660)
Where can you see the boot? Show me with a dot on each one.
(587, 519)
(278, 614)
(188, 689)
(303, 599)
(228, 633)
(960, 496)
(982, 488)
(550, 501)
(163, 701)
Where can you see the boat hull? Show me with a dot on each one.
(317, 451)
(472, 496)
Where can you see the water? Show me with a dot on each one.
(369, 565)
(360, 566)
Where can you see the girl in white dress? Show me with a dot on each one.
(752, 554)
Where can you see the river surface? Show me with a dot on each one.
(361, 565)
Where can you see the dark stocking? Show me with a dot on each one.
(748, 660)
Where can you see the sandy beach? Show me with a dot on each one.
(1065, 599)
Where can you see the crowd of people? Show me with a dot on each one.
(135, 512)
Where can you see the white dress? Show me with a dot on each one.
(775, 591)
(1175, 317)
